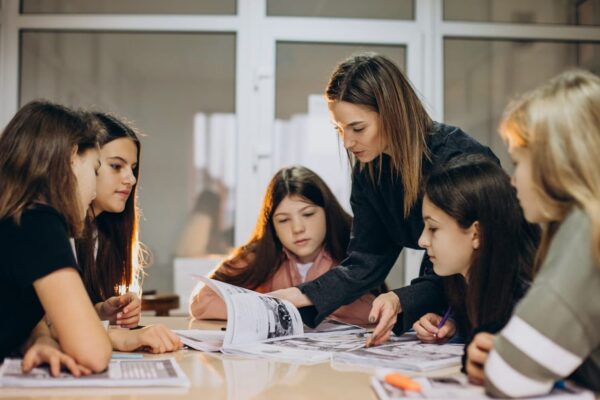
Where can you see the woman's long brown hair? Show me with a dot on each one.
(263, 253)
(375, 82)
(36, 148)
(474, 189)
(119, 260)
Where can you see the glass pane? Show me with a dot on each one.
(564, 12)
(376, 9)
(481, 76)
(304, 134)
(221, 7)
(184, 104)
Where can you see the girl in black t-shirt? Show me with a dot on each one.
(48, 163)
(108, 251)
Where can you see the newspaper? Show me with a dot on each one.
(404, 355)
(251, 317)
(458, 387)
(133, 373)
(315, 348)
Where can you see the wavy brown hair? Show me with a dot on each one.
(474, 189)
(119, 259)
(36, 148)
(375, 82)
(263, 253)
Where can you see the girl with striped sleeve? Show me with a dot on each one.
(553, 135)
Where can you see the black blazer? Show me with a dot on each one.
(380, 231)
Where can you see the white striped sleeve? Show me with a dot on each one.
(505, 381)
(525, 362)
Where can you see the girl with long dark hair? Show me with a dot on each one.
(48, 164)
(301, 233)
(109, 250)
(478, 240)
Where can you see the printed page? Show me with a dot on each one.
(134, 373)
(203, 340)
(305, 350)
(256, 317)
(225, 290)
(332, 327)
(410, 356)
(458, 387)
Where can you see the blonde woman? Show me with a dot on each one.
(553, 135)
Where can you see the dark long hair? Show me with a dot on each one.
(119, 259)
(35, 160)
(263, 253)
(374, 81)
(469, 189)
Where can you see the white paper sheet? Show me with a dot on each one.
(134, 373)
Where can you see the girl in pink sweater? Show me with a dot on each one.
(301, 233)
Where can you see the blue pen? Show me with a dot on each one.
(444, 319)
(127, 356)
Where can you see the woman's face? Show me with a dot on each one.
(300, 226)
(358, 126)
(115, 177)
(449, 246)
(522, 180)
(85, 167)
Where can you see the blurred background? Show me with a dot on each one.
(226, 92)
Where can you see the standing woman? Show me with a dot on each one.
(393, 144)
(109, 251)
(48, 165)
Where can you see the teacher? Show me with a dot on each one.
(393, 145)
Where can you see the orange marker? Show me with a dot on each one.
(402, 382)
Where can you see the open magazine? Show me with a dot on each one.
(120, 373)
(458, 387)
(251, 317)
(261, 325)
(404, 355)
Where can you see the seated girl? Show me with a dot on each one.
(48, 163)
(109, 251)
(302, 232)
(477, 238)
(553, 136)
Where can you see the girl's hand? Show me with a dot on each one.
(428, 332)
(477, 354)
(124, 310)
(155, 339)
(385, 309)
(46, 350)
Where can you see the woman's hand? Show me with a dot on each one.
(477, 354)
(293, 295)
(46, 350)
(427, 329)
(385, 309)
(155, 339)
(124, 310)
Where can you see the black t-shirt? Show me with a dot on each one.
(29, 251)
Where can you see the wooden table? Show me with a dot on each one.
(218, 376)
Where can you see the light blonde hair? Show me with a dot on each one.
(559, 123)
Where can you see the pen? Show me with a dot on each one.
(444, 319)
(127, 356)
